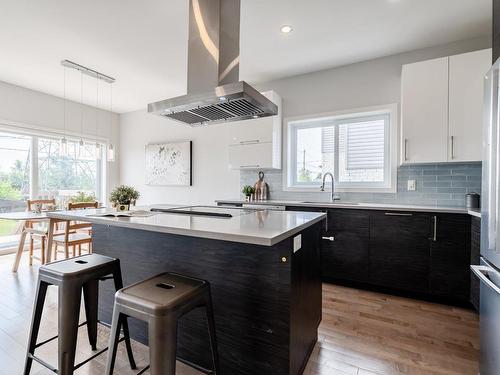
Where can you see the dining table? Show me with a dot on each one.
(31, 216)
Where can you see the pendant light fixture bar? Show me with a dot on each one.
(87, 71)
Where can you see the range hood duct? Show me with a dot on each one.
(214, 92)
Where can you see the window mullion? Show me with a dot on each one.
(336, 153)
(34, 193)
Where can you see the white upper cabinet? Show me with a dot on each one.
(442, 108)
(256, 144)
(424, 108)
(467, 73)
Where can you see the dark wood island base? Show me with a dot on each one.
(267, 299)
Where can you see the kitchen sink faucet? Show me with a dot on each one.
(334, 197)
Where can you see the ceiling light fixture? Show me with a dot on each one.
(286, 29)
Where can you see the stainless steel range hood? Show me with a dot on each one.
(214, 92)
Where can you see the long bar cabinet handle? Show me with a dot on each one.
(398, 214)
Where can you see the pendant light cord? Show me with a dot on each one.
(64, 104)
(81, 107)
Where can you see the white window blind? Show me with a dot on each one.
(365, 145)
(327, 139)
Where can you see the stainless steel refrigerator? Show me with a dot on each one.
(488, 271)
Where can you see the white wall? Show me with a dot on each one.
(24, 108)
(211, 175)
(364, 84)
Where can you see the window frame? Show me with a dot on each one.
(332, 118)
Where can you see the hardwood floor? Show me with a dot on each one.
(362, 333)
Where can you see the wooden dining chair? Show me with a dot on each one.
(75, 233)
(37, 230)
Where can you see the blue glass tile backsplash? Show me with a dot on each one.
(436, 185)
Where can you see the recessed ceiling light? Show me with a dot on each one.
(286, 29)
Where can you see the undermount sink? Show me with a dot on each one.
(336, 202)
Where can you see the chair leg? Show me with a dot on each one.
(32, 245)
(66, 251)
(114, 337)
(211, 332)
(91, 297)
(43, 250)
(117, 277)
(69, 312)
(128, 345)
(79, 249)
(162, 337)
(55, 251)
(35, 323)
(20, 250)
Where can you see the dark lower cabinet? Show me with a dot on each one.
(450, 257)
(399, 250)
(475, 253)
(420, 253)
(345, 250)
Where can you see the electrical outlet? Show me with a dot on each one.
(297, 243)
(412, 185)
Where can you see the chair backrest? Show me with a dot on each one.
(82, 205)
(30, 203)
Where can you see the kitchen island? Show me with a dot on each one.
(264, 271)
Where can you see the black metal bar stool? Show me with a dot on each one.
(72, 276)
(161, 301)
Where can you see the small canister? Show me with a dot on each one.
(472, 200)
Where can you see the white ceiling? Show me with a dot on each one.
(143, 44)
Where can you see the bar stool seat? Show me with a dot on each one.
(160, 301)
(84, 268)
(72, 276)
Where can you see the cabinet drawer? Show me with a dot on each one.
(251, 156)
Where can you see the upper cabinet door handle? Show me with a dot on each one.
(398, 214)
(434, 234)
(452, 147)
(249, 142)
(405, 150)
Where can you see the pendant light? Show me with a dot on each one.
(97, 144)
(81, 144)
(111, 149)
(63, 144)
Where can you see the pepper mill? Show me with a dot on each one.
(261, 188)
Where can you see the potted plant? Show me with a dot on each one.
(123, 196)
(248, 191)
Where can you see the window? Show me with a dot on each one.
(15, 161)
(61, 177)
(31, 165)
(356, 148)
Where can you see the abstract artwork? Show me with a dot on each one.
(169, 164)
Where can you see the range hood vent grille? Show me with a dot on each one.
(186, 116)
(233, 110)
(211, 113)
(241, 107)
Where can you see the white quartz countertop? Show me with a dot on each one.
(260, 227)
(359, 206)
